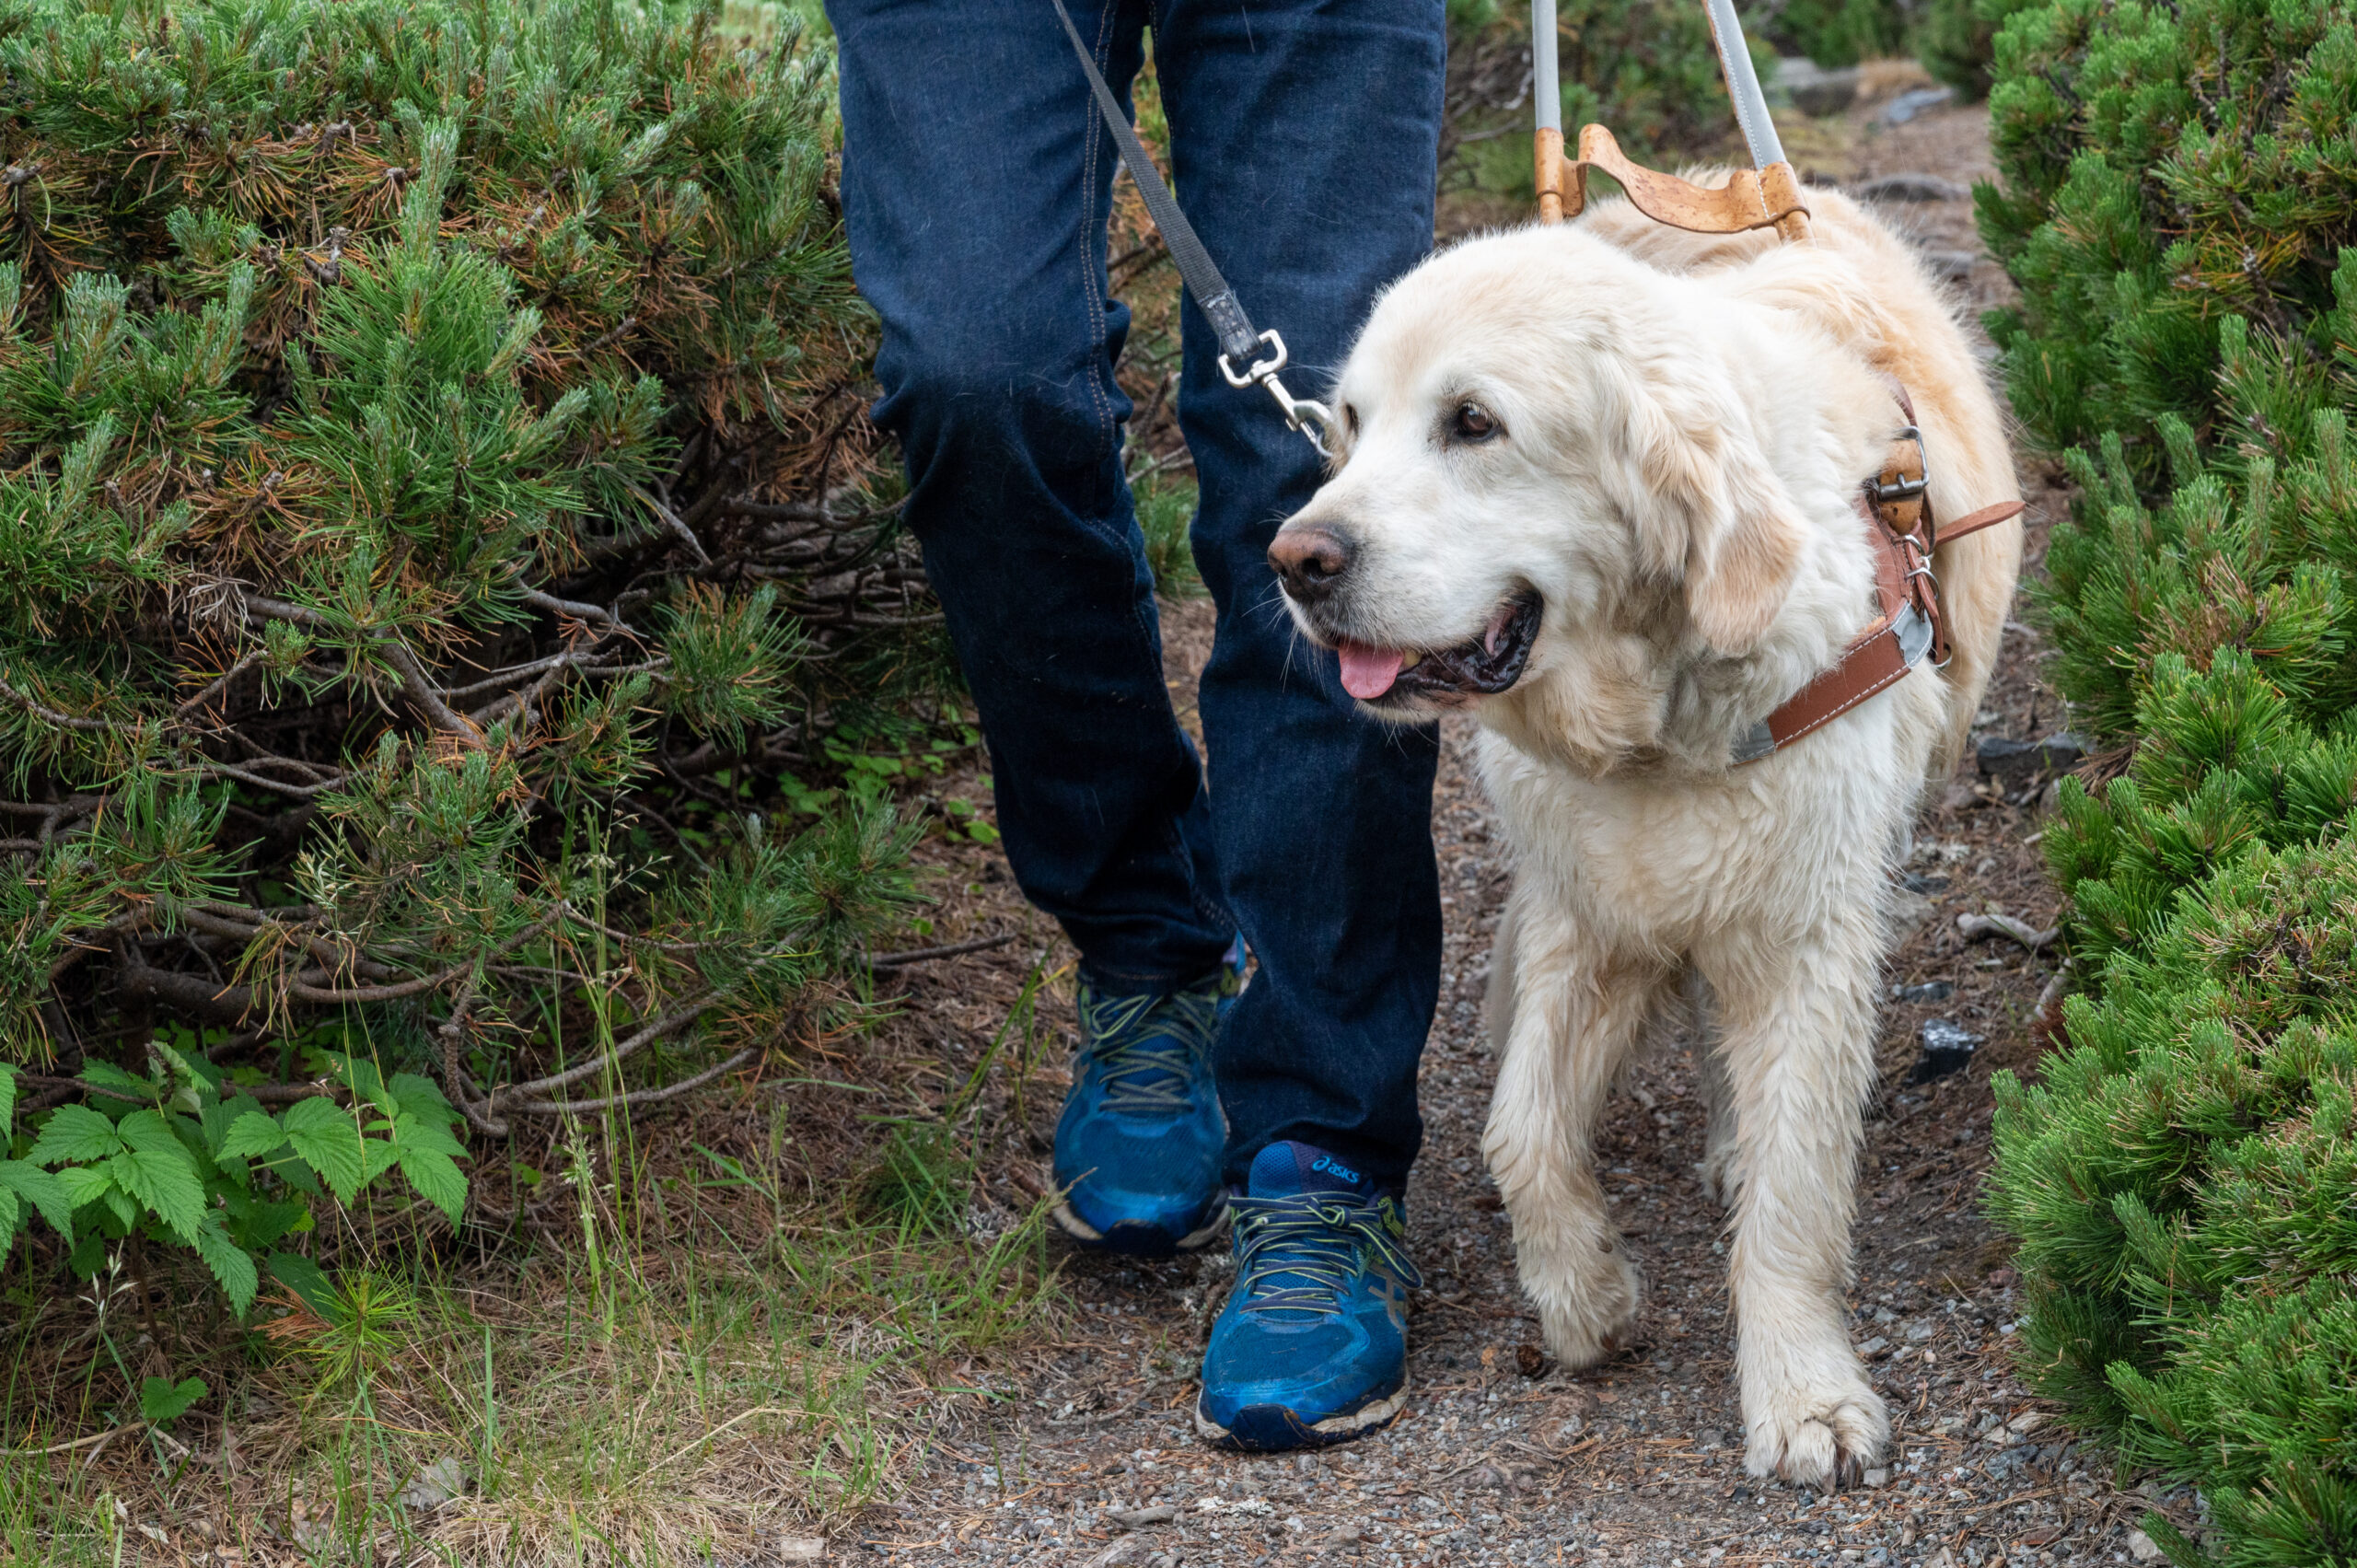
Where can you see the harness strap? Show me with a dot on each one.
(1909, 623)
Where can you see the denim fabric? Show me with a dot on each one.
(977, 185)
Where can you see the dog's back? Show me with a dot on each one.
(1863, 286)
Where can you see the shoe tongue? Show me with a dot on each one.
(1287, 1169)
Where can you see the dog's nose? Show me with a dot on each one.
(1310, 560)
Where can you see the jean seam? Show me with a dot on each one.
(1093, 232)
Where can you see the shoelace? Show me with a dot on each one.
(1145, 1047)
(1315, 1238)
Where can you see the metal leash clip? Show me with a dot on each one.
(1314, 420)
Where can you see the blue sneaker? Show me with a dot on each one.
(1138, 1147)
(1312, 1346)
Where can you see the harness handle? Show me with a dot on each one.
(1766, 195)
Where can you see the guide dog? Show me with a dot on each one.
(1600, 484)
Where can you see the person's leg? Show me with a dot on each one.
(1304, 135)
(977, 184)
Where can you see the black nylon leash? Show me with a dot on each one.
(1240, 342)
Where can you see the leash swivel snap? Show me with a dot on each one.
(1313, 419)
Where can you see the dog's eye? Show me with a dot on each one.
(1471, 424)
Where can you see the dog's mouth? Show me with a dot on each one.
(1478, 666)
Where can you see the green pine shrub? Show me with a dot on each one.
(2177, 214)
(2167, 168)
(2180, 1182)
(438, 565)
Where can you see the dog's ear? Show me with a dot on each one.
(1712, 513)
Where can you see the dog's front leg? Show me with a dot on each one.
(1576, 1012)
(1797, 1014)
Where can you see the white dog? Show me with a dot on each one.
(1601, 482)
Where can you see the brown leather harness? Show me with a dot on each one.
(1909, 623)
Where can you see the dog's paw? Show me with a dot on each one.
(1716, 1172)
(1590, 1313)
(1821, 1438)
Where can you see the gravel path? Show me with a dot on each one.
(1084, 1454)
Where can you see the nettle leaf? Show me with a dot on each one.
(229, 1262)
(7, 1101)
(45, 1192)
(379, 1156)
(307, 1280)
(329, 1142)
(148, 1131)
(85, 1184)
(75, 1132)
(423, 1098)
(259, 1222)
(107, 1076)
(254, 1135)
(438, 1179)
(360, 1075)
(408, 1128)
(167, 1183)
(161, 1399)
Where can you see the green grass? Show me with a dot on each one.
(657, 1408)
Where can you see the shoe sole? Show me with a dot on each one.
(1288, 1431)
(1088, 1235)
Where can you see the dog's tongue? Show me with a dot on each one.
(1367, 673)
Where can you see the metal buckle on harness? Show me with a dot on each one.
(1313, 419)
(1904, 489)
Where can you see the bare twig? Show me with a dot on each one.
(1975, 926)
(637, 1097)
(48, 714)
(420, 690)
(926, 955)
(672, 521)
(684, 1014)
(217, 686)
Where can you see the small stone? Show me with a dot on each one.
(1138, 1519)
(1931, 989)
(1947, 1047)
(1951, 266)
(1813, 89)
(2027, 1423)
(2016, 763)
(1910, 104)
(1921, 1330)
(1710, 1437)
(1879, 1476)
(2143, 1548)
(1874, 1349)
(1909, 188)
(798, 1549)
(1908, 911)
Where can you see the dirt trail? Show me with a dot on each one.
(1503, 1458)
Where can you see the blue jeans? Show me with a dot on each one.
(977, 185)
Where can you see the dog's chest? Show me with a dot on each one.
(1662, 859)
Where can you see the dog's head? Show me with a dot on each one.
(1543, 461)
